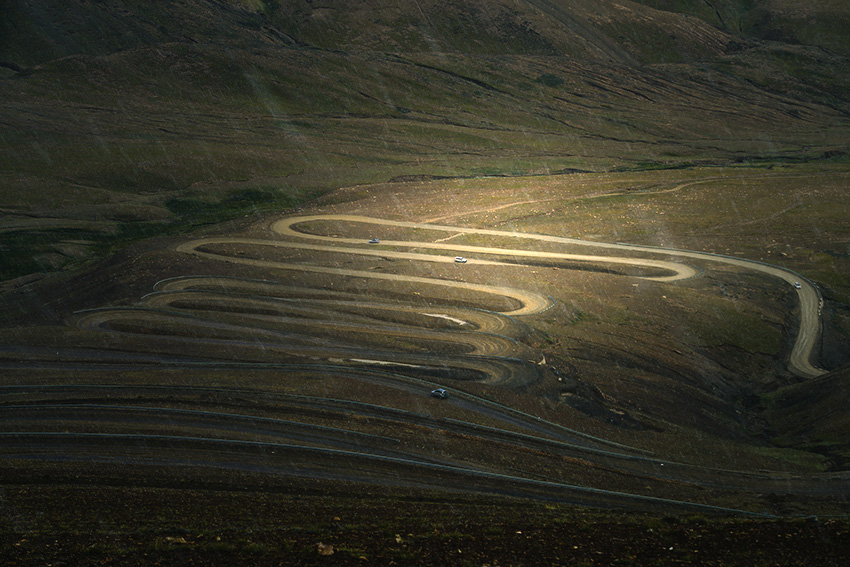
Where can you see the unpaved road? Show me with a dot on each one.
(807, 335)
(528, 301)
(338, 335)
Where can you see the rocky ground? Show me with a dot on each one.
(79, 525)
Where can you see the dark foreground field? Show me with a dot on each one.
(309, 523)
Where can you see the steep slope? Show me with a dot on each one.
(605, 31)
(35, 32)
(813, 416)
(820, 23)
(32, 33)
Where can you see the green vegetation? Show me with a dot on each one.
(550, 80)
(241, 202)
(24, 253)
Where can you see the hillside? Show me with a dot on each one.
(819, 23)
(244, 240)
(122, 120)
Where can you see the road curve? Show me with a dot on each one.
(530, 302)
(285, 227)
(809, 328)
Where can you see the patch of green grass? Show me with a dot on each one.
(39, 250)
(195, 211)
(719, 321)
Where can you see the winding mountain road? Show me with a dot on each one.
(381, 341)
(183, 301)
(807, 335)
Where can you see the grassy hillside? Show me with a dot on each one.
(122, 120)
(820, 23)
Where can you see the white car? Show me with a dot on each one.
(440, 393)
(460, 259)
(797, 285)
(374, 241)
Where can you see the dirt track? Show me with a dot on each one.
(303, 336)
(809, 299)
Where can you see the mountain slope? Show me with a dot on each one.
(123, 119)
(820, 23)
(605, 31)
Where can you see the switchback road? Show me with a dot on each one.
(808, 331)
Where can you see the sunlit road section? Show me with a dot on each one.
(286, 227)
(807, 335)
(809, 330)
(531, 302)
